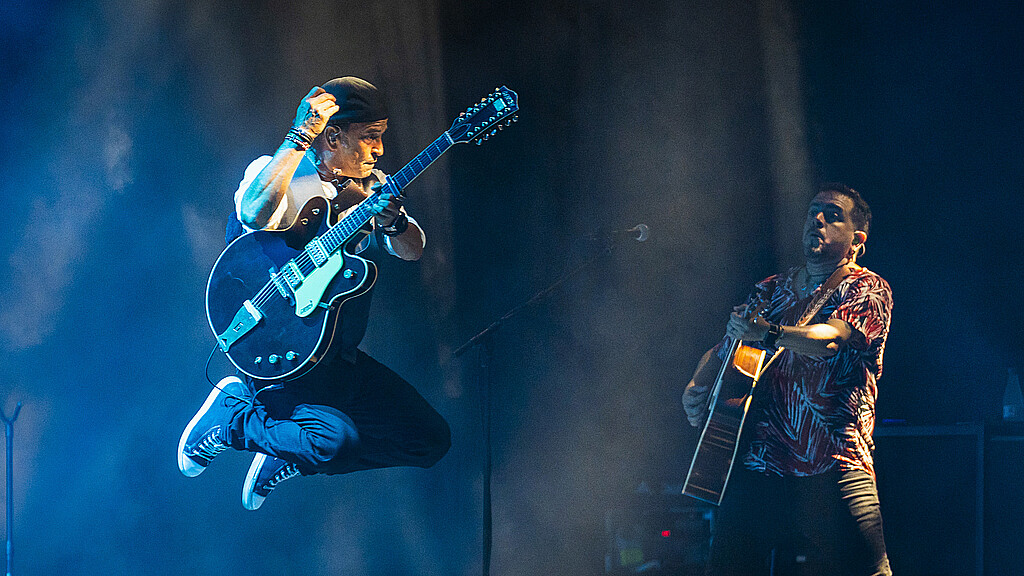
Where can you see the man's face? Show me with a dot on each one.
(357, 149)
(829, 232)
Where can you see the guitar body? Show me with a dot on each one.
(293, 334)
(730, 399)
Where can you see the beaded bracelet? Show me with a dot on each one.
(301, 139)
(298, 142)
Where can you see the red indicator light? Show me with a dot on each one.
(666, 533)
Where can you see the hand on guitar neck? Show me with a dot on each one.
(740, 327)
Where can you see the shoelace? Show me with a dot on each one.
(210, 445)
(290, 470)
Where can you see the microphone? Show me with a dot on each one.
(640, 233)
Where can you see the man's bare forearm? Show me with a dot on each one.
(264, 195)
(819, 340)
(409, 244)
(706, 370)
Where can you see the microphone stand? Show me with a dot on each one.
(483, 342)
(9, 433)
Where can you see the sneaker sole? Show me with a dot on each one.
(188, 466)
(250, 499)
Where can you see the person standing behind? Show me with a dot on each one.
(806, 480)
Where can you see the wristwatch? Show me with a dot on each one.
(398, 226)
(774, 331)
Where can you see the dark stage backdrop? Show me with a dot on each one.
(125, 128)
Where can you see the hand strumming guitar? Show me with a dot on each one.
(695, 397)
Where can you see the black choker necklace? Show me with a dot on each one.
(809, 285)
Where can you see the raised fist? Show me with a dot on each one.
(315, 110)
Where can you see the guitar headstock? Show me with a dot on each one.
(480, 122)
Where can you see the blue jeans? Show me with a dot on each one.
(828, 524)
(343, 417)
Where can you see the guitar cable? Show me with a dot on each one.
(206, 372)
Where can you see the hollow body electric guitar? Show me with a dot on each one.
(274, 298)
(728, 402)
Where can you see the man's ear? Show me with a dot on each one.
(859, 237)
(331, 134)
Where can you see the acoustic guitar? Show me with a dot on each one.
(728, 402)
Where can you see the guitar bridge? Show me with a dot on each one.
(247, 317)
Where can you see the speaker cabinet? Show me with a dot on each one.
(1004, 498)
(931, 486)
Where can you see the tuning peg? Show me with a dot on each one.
(479, 142)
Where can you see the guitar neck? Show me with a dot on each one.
(397, 182)
(340, 233)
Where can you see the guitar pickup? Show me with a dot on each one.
(317, 253)
(284, 287)
(247, 317)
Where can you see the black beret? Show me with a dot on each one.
(358, 100)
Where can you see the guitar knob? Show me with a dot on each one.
(258, 360)
(274, 358)
(291, 355)
(316, 211)
(305, 221)
(347, 274)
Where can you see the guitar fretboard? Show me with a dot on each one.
(340, 233)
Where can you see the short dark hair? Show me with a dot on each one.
(861, 214)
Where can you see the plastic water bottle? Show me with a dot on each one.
(1013, 400)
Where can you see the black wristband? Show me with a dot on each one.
(301, 139)
(774, 332)
(397, 227)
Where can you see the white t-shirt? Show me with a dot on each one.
(305, 184)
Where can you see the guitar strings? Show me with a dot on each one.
(304, 262)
